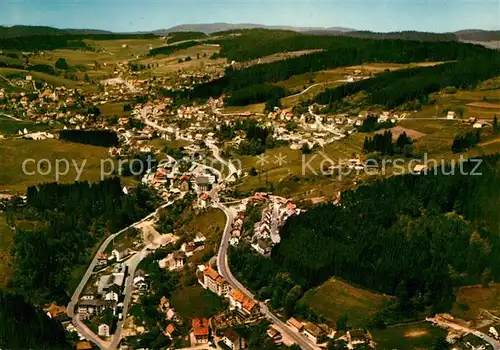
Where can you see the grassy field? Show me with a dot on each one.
(331, 78)
(471, 300)
(11, 127)
(14, 152)
(277, 174)
(6, 236)
(335, 298)
(170, 63)
(196, 302)
(482, 102)
(50, 79)
(210, 223)
(254, 108)
(114, 108)
(409, 336)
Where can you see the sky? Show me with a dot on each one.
(144, 15)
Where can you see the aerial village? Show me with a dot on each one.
(118, 284)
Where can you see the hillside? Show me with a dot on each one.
(415, 237)
(21, 30)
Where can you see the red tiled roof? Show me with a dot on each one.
(200, 327)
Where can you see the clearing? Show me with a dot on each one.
(334, 298)
(420, 335)
(50, 79)
(472, 300)
(13, 152)
(196, 302)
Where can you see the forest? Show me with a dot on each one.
(22, 326)
(182, 36)
(392, 89)
(383, 143)
(34, 43)
(255, 43)
(463, 142)
(254, 94)
(61, 224)
(167, 50)
(412, 236)
(481, 63)
(103, 138)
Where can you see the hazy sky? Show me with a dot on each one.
(135, 15)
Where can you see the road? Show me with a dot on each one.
(7, 80)
(225, 272)
(444, 323)
(229, 165)
(306, 90)
(11, 117)
(84, 330)
(132, 267)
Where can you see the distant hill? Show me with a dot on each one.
(210, 28)
(467, 35)
(478, 35)
(403, 35)
(20, 30)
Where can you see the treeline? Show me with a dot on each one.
(255, 43)
(22, 326)
(415, 237)
(102, 138)
(351, 51)
(182, 36)
(63, 41)
(371, 123)
(42, 42)
(462, 143)
(265, 278)
(170, 49)
(392, 89)
(68, 220)
(383, 143)
(255, 94)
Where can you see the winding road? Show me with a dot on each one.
(225, 272)
(82, 328)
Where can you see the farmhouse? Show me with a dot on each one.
(201, 330)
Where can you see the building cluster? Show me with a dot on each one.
(265, 233)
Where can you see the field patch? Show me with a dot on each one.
(334, 298)
(13, 152)
(6, 240)
(420, 335)
(196, 302)
(398, 130)
(471, 301)
(484, 105)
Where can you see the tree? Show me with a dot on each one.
(61, 64)
(188, 58)
(440, 343)
(22, 326)
(496, 127)
(127, 107)
(305, 149)
(341, 323)
(291, 298)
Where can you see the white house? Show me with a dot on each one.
(120, 254)
(199, 238)
(450, 115)
(103, 330)
(111, 296)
